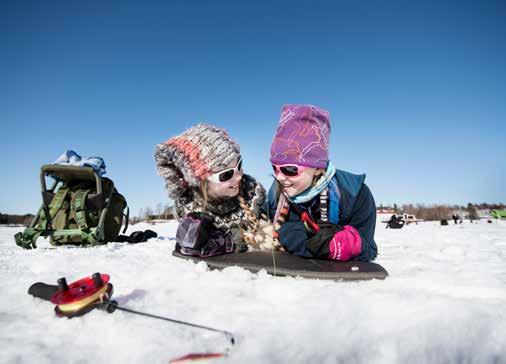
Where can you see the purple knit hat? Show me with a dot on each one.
(302, 137)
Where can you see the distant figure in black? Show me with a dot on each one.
(455, 218)
(395, 222)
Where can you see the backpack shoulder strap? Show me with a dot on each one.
(56, 204)
(79, 207)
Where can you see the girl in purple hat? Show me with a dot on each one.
(318, 211)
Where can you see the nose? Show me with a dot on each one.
(237, 177)
(280, 176)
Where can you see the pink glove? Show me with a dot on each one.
(345, 244)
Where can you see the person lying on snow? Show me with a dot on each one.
(218, 206)
(318, 211)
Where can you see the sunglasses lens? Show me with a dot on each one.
(239, 166)
(274, 169)
(290, 171)
(227, 175)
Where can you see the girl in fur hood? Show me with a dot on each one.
(218, 206)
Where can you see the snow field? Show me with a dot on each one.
(444, 302)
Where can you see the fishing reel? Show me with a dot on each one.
(95, 291)
(82, 296)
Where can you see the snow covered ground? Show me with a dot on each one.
(444, 302)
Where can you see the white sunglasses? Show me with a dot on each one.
(226, 174)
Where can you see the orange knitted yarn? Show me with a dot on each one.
(192, 153)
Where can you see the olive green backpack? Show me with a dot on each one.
(81, 208)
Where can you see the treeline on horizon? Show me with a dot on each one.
(9, 219)
(421, 211)
(444, 212)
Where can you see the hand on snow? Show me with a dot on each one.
(318, 244)
(193, 231)
(202, 216)
(335, 242)
(345, 244)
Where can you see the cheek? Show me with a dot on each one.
(216, 189)
(302, 183)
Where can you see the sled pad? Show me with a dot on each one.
(42, 290)
(294, 266)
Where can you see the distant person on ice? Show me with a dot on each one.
(308, 190)
(455, 217)
(217, 204)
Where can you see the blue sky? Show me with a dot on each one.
(416, 91)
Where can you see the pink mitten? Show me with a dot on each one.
(345, 244)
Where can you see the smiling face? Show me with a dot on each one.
(228, 188)
(297, 184)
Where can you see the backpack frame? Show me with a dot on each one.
(80, 208)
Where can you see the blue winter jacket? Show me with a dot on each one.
(350, 203)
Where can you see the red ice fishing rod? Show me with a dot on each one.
(304, 215)
(82, 296)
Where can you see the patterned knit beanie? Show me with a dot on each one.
(302, 137)
(185, 160)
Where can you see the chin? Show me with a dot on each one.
(230, 194)
(292, 193)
